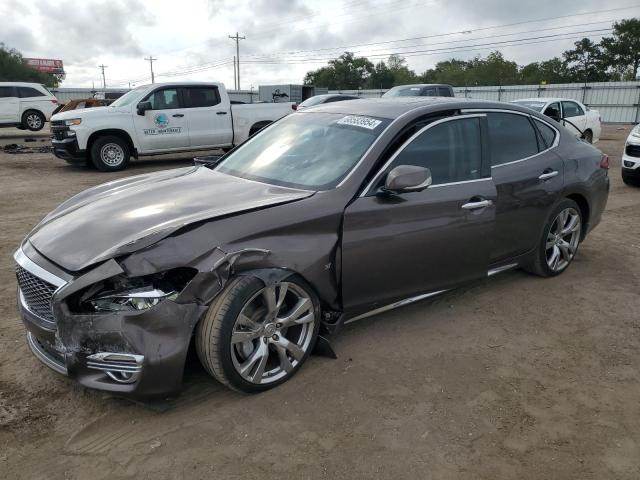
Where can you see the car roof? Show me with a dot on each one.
(20, 84)
(545, 99)
(422, 85)
(393, 108)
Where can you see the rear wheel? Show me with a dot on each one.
(110, 153)
(560, 240)
(588, 136)
(33, 120)
(255, 337)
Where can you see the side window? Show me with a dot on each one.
(547, 133)
(26, 92)
(429, 92)
(451, 150)
(444, 92)
(7, 92)
(201, 97)
(164, 99)
(553, 111)
(572, 109)
(511, 137)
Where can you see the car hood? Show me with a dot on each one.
(88, 112)
(125, 215)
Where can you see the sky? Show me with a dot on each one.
(287, 38)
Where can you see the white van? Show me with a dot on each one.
(25, 105)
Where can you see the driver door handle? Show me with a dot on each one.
(178, 115)
(221, 113)
(548, 175)
(477, 204)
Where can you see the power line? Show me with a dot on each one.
(237, 38)
(104, 81)
(150, 59)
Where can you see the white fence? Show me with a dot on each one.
(617, 102)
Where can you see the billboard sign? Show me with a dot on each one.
(45, 65)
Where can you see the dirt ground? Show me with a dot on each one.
(515, 377)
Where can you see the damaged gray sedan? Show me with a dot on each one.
(322, 218)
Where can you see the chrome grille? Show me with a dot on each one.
(633, 150)
(37, 293)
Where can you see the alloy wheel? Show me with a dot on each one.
(112, 154)
(34, 121)
(563, 239)
(272, 333)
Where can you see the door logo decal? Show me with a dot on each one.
(161, 121)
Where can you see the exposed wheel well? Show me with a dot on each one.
(256, 127)
(113, 131)
(584, 210)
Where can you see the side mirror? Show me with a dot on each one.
(143, 107)
(407, 178)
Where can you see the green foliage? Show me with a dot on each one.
(13, 69)
(614, 58)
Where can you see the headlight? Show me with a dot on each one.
(73, 121)
(636, 131)
(122, 293)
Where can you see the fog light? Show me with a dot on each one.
(628, 164)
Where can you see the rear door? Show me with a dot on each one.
(9, 105)
(528, 177)
(208, 119)
(397, 246)
(164, 127)
(574, 117)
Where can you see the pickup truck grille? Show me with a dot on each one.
(37, 293)
(58, 134)
(633, 150)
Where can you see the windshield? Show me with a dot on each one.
(404, 92)
(533, 105)
(310, 102)
(128, 97)
(309, 150)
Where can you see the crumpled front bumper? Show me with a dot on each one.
(139, 354)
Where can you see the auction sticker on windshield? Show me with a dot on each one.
(357, 121)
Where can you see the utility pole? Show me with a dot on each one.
(235, 75)
(151, 60)
(104, 82)
(237, 38)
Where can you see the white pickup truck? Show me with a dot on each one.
(578, 118)
(159, 118)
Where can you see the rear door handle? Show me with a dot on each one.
(548, 175)
(477, 204)
(221, 113)
(178, 115)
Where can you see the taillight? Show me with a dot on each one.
(294, 106)
(604, 162)
(55, 102)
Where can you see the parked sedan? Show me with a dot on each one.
(584, 122)
(631, 158)
(420, 90)
(322, 99)
(322, 218)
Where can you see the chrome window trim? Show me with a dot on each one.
(35, 269)
(556, 140)
(411, 139)
(462, 182)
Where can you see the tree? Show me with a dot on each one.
(347, 72)
(549, 71)
(623, 49)
(13, 69)
(454, 72)
(586, 62)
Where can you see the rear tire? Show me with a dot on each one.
(631, 181)
(588, 136)
(110, 153)
(33, 120)
(559, 242)
(250, 347)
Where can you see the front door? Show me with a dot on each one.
(528, 176)
(397, 246)
(209, 121)
(9, 105)
(574, 117)
(164, 127)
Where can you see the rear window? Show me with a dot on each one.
(511, 137)
(547, 133)
(6, 92)
(201, 97)
(27, 92)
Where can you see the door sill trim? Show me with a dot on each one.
(394, 305)
(503, 268)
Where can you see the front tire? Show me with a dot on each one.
(559, 242)
(256, 337)
(33, 120)
(110, 153)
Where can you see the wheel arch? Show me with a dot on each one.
(257, 126)
(112, 131)
(585, 210)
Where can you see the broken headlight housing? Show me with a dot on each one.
(124, 294)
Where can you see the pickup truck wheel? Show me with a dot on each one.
(33, 120)
(110, 153)
(559, 242)
(588, 136)
(255, 337)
